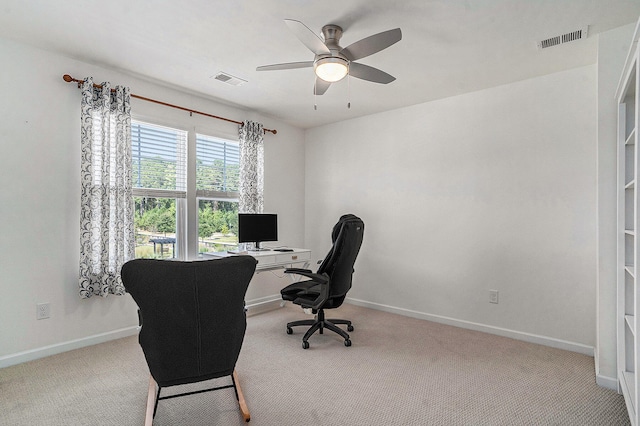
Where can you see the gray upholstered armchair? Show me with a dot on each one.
(193, 321)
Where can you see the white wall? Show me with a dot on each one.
(612, 51)
(39, 212)
(489, 190)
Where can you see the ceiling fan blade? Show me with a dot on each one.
(307, 37)
(286, 66)
(365, 72)
(372, 44)
(321, 86)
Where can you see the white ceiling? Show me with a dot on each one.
(449, 47)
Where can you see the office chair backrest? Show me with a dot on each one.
(192, 315)
(347, 238)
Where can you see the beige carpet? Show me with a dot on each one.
(399, 371)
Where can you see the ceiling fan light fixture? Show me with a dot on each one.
(331, 69)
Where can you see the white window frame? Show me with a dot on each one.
(203, 194)
(187, 201)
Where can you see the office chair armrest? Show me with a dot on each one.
(319, 278)
(296, 270)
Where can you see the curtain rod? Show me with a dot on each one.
(70, 79)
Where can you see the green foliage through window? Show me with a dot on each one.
(217, 225)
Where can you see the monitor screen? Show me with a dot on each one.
(257, 227)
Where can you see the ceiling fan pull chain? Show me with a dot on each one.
(348, 90)
(315, 88)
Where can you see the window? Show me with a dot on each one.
(163, 198)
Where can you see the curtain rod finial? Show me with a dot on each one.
(69, 79)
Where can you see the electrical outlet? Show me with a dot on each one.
(43, 311)
(493, 296)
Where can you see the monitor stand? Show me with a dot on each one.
(258, 248)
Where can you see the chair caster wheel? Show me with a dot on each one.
(349, 328)
(289, 330)
(305, 345)
(347, 342)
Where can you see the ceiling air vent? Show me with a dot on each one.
(229, 79)
(564, 38)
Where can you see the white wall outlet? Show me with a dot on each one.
(493, 296)
(43, 311)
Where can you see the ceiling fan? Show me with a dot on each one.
(332, 63)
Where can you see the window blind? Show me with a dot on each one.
(159, 160)
(217, 167)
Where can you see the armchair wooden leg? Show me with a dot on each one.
(151, 402)
(241, 402)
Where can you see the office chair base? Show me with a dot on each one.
(319, 324)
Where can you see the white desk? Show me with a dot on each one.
(271, 259)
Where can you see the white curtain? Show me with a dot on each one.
(106, 208)
(251, 167)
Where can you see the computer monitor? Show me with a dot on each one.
(257, 227)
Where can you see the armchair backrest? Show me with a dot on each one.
(347, 238)
(192, 315)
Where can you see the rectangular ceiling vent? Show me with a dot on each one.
(229, 79)
(564, 38)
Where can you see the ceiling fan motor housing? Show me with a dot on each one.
(332, 34)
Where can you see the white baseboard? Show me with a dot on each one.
(268, 303)
(607, 382)
(604, 381)
(30, 355)
(513, 334)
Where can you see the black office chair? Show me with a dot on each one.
(193, 321)
(328, 287)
